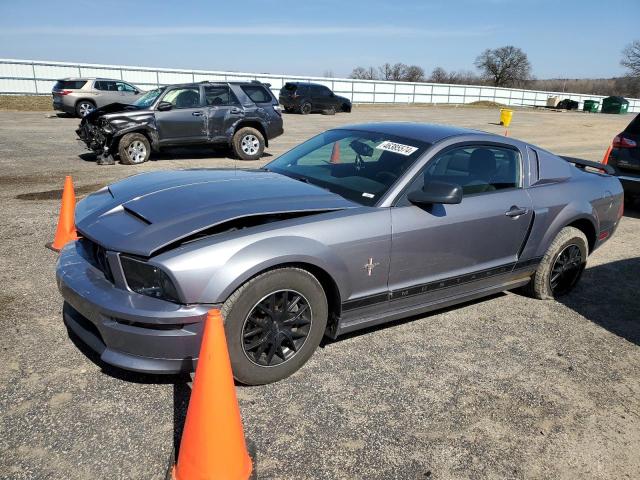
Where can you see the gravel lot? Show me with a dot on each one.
(506, 387)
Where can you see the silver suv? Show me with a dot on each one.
(81, 96)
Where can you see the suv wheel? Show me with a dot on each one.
(84, 108)
(134, 149)
(248, 144)
(561, 267)
(273, 324)
(305, 108)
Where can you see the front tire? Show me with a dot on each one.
(561, 267)
(134, 149)
(273, 324)
(248, 144)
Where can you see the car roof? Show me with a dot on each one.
(425, 132)
(86, 79)
(305, 83)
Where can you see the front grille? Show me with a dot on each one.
(97, 256)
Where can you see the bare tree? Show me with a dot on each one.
(439, 75)
(413, 73)
(386, 71)
(328, 74)
(631, 58)
(400, 72)
(505, 66)
(361, 73)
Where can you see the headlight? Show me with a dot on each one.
(147, 279)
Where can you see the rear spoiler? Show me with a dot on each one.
(583, 164)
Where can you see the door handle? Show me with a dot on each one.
(515, 211)
(196, 114)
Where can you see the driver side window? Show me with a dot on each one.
(188, 97)
(476, 168)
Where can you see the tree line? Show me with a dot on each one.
(509, 67)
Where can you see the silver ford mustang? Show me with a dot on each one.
(357, 226)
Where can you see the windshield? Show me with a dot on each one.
(148, 98)
(360, 166)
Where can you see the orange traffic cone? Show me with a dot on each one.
(605, 159)
(66, 230)
(213, 444)
(335, 153)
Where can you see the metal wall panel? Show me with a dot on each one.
(38, 77)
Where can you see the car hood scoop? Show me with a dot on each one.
(144, 213)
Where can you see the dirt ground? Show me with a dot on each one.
(506, 387)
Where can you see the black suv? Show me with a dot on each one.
(311, 97)
(624, 156)
(243, 115)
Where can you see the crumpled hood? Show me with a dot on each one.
(144, 213)
(110, 108)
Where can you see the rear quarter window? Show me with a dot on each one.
(69, 84)
(257, 94)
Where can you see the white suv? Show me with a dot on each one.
(80, 96)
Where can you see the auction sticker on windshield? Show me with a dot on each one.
(405, 150)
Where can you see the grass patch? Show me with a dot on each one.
(26, 103)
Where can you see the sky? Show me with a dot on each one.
(562, 38)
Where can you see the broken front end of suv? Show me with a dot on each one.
(119, 129)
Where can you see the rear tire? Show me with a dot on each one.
(248, 144)
(305, 108)
(249, 328)
(134, 149)
(84, 108)
(561, 267)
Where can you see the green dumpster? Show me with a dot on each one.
(615, 105)
(591, 106)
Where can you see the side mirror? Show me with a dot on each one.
(136, 92)
(436, 192)
(164, 106)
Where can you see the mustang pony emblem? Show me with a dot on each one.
(369, 266)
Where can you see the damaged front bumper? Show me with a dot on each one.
(95, 137)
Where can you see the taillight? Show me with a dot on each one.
(63, 92)
(620, 141)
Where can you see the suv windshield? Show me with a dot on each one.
(360, 166)
(148, 98)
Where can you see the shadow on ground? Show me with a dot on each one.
(182, 153)
(619, 283)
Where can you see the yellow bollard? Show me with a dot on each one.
(505, 116)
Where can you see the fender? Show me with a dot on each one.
(546, 226)
(147, 130)
(269, 253)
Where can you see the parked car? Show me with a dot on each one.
(407, 218)
(624, 157)
(306, 98)
(81, 96)
(244, 115)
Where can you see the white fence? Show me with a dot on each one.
(38, 77)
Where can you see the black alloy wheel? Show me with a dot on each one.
(276, 328)
(566, 270)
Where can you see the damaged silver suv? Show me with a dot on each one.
(243, 115)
